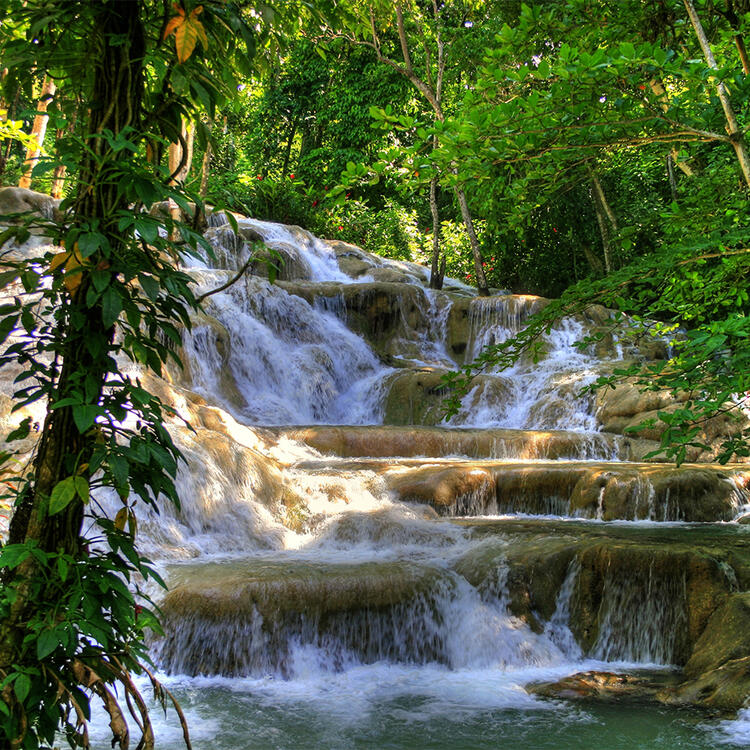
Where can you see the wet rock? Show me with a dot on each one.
(626, 407)
(464, 490)
(393, 440)
(415, 397)
(488, 394)
(724, 689)
(609, 687)
(458, 327)
(633, 595)
(725, 638)
(389, 275)
(657, 493)
(389, 315)
(245, 618)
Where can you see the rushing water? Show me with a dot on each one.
(312, 605)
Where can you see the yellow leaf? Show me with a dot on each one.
(121, 519)
(187, 34)
(175, 21)
(58, 260)
(74, 269)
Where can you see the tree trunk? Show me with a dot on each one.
(604, 232)
(58, 177)
(602, 208)
(671, 177)
(205, 170)
(190, 141)
(593, 261)
(436, 278)
(733, 127)
(38, 131)
(63, 450)
(482, 287)
(739, 42)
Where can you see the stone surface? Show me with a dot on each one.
(410, 440)
(609, 687)
(16, 200)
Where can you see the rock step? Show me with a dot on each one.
(627, 593)
(602, 490)
(380, 441)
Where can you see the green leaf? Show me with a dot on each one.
(12, 555)
(21, 432)
(82, 488)
(46, 643)
(84, 416)
(62, 494)
(22, 687)
(111, 306)
(149, 285)
(6, 326)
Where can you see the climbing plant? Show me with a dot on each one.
(71, 616)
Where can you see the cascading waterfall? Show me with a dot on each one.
(310, 568)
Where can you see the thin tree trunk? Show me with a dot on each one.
(661, 93)
(671, 177)
(482, 287)
(593, 261)
(190, 140)
(58, 177)
(604, 232)
(205, 169)
(38, 131)
(605, 203)
(433, 95)
(739, 42)
(733, 128)
(436, 278)
(604, 214)
(289, 142)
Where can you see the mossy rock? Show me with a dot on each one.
(415, 397)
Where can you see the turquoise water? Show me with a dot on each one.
(418, 708)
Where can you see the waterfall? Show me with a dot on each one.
(337, 565)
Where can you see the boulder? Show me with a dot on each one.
(415, 397)
(609, 687)
(627, 406)
(16, 200)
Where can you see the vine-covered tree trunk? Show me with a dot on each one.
(83, 338)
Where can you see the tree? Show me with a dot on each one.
(38, 131)
(546, 111)
(68, 621)
(420, 53)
